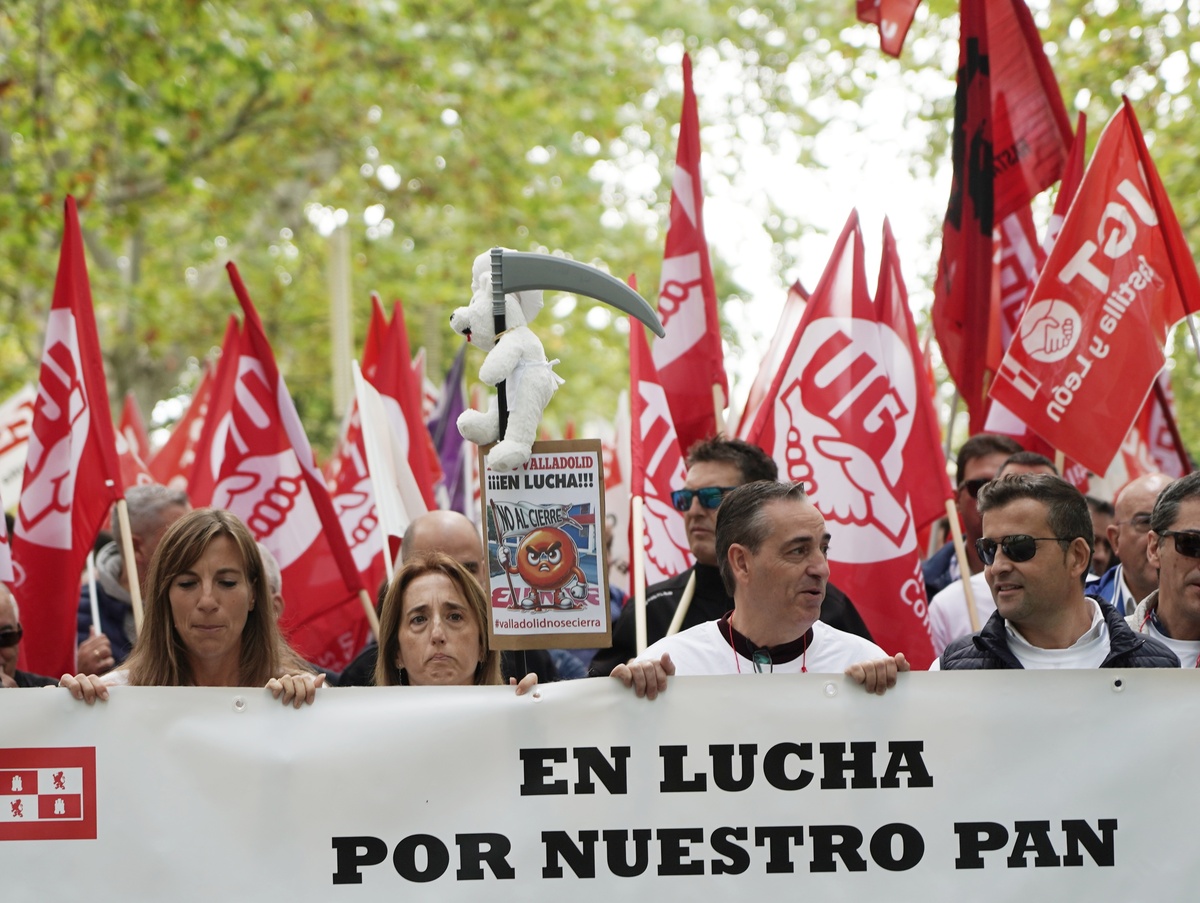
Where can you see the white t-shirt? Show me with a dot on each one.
(1187, 651)
(1089, 651)
(948, 618)
(706, 649)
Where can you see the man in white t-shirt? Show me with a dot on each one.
(771, 548)
(1171, 614)
(1036, 547)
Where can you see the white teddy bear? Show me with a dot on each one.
(515, 357)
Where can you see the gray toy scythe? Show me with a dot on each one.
(514, 271)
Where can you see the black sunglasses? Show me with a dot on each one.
(1187, 542)
(710, 497)
(1018, 547)
(10, 636)
(973, 487)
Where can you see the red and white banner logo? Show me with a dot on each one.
(48, 794)
(842, 428)
(44, 512)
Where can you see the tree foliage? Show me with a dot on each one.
(195, 132)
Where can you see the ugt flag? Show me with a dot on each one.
(1091, 340)
(71, 475)
(844, 416)
(261, 468)
(656, 465)
(689, 358)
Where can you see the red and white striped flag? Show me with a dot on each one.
(848, 415)
(261, 468)
(689, 358)
(71, 476)
(656, 464)
(16, 423)
(395, 381)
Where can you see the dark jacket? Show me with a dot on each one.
(709, 603)
(988, 649)
(25, 679)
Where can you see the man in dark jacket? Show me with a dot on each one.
(1036, 548)
(715, 466)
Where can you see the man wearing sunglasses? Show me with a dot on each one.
(1171, 613)
(948, 615)
(10, 645)
(979, 460)
(715, 467)
(1036, 547)
(1133, 577)
(773, 548)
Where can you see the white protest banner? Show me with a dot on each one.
(547, 586)
(978, 786)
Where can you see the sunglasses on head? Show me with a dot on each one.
(710, 497)
(1187, 542)
(10, 636)
(1018, 547)
(973, 487)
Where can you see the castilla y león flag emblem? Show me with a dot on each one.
(48, 794)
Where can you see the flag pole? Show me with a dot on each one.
(1060, 460)
(718, 409)
(95, 601)
(685, 602)
(372, 617)
(964, 565)
(639, 575)
(135, 587)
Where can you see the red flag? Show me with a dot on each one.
(373, 346)
(655, 464)
(999, 418)
(848, 415)
(71, 475)
(789, 320)
(1091, 340)
(262, 470)
(208, 450)
(893, 18)
(1163, 438)
(133, 445)
(1011, 137)
(401, 392)
(689, 358)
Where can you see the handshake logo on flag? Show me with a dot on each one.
(1050, 330)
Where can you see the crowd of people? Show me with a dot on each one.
(1056, 580)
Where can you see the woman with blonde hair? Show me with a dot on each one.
(209, 621)
(432, 630)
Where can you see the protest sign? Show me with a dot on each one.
(547, 583)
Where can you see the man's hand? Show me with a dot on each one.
(94, 655)
(878, 675)
(648, 678)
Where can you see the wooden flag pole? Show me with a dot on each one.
(1060, 460)
(718, 410)
(135, 587)
(964, 565)
(639, 575)
(685, 602)
(372, 617)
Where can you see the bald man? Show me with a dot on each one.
(1134, 577)
(454, 534)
